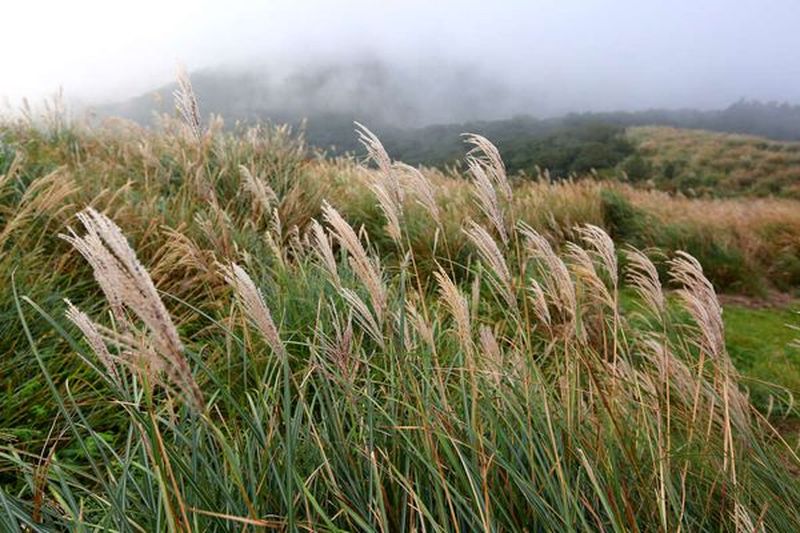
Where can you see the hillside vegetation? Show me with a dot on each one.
(421, 123)
(719, 164)
(209, 329)
(405, 103)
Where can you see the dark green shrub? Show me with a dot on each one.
(637, 168)
(622, 220)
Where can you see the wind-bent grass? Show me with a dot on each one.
(257, 359)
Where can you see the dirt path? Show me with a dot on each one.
(771, 300)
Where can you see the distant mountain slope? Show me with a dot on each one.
(720, 164)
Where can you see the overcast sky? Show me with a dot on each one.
(568, 54)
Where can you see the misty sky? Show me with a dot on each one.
(562, 55)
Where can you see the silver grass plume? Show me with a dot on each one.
(386, 187)
(486, 197)
(186, 103)
(423, 189)
(423, 328)
(125, 282)
(700, 300)
(539, 303)
(602, 247)
(364, 317)
(456, 303)
(339, 349)
(321, 244)
(377, 153)
(642, 275)
(93, 337)
(367, 270)
(584, 269)
(493, 257)
(391, 210)
(491, 355)
(254, 306)
(672, 371)
(262, 194)
(557, 283)
(487, 155)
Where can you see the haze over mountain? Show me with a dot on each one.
(419, 117)
(415, 62)
(368, 90)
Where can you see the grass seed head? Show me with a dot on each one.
(253, 302)
(186, 103)
(125, 282)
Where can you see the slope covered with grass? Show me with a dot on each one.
(210, 330)
(717, 164)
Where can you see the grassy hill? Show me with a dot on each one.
(711, 163)
(211, 329)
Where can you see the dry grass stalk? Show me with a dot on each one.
(47, 195)
(11, 173)
(491, 355)
(557, 283)
(488, 156)
(364, 316)
(642, 276)
(186, 103)
(486, 197)
(203, 186)
(93, 337)
(263, 195)
(585, 271)
(276, 249)
(216, 226)
(300, 203)
(743, 520)
(367, 270)
(182, 267)
(386, 187)
(700, 299)
(254, 306)
(602, 247)
(276, 225)
(296, 244)
(420, 325)
(539, 302)
(456, 303)
(321, 245)
(423, 189)
(125, 282)
(493, 257)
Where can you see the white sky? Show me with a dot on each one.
(580, 53)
